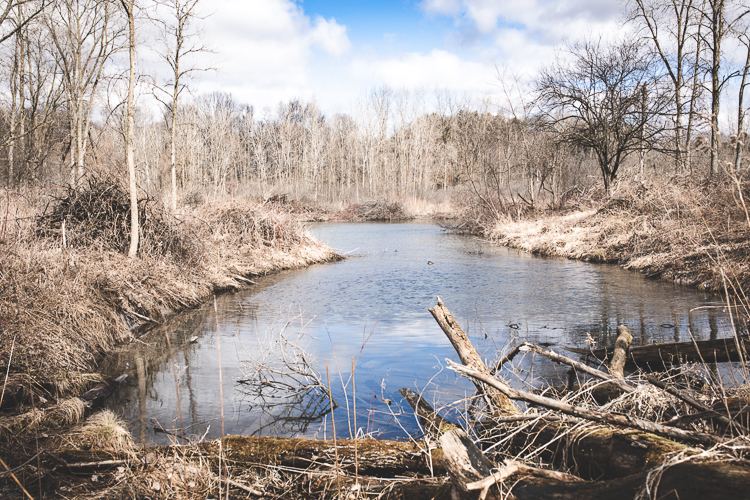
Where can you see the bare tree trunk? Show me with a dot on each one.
(129, 7)
(717, 34)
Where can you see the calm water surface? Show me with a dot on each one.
(371, 309)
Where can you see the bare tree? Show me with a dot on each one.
(85, 35)
(722, 17)
(9, 7)
(180, 40)
(129, 9)
(596, 101)
(673, 28)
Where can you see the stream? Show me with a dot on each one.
(370, 311)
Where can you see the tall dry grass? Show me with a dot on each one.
(70, 294)
(686, 232)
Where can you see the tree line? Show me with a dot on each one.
(651, 99)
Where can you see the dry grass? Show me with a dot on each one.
(103, 431)
(685, 233)
(68, 303)
(67, 412)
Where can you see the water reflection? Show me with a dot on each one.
(372, 308)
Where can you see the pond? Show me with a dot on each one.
(370, 311)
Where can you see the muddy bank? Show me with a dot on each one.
(691, 234)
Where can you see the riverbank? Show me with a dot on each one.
(70, 294)
(688, 233)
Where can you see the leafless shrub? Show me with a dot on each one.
(382, 210)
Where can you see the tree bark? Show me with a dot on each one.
(624, 338)
(656, 356)
(469, 357)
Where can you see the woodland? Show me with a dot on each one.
(117, 214)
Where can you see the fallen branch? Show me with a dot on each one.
(469, 356)
(592, 415)
(559, 358)
(656, 356)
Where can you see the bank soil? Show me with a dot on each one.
(692, 234)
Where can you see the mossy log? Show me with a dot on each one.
(376, 458)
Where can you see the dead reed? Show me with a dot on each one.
(679, 231)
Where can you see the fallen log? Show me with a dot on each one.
(655, 357)
(683, 481)
(431, 422)
(377, 458)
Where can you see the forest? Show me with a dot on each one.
(129, 197)
(664, 100)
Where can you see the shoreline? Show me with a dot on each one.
(703, 242)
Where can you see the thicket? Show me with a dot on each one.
(605, 109)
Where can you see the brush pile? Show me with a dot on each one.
(678, 435)
(381, 210)
(97, 214)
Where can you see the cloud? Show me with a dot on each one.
(542, 19)
(438, 69)
(330, 36)
(265, 49)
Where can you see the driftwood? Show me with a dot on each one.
(656, 356)
(617, 365)
(468, 356)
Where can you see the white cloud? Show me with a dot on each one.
(541, 19)
(265, 49)
(438, 69)
(331, 37)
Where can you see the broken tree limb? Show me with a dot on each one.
(468, 355)
(617, 365)
(433, 424)
(655, 356)
(592, 415)
(559, 358)
(465, 464)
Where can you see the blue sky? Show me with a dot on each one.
(267, 51)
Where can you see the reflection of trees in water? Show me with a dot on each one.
(149, 357)
(282, 382)
(289, 416)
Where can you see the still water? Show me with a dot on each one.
(370, 311)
